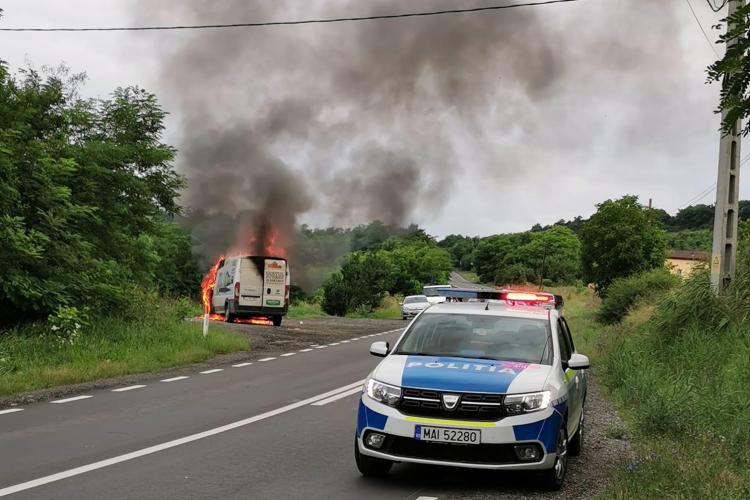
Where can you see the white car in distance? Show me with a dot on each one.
(413, 305)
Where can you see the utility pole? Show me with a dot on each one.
(724, 253)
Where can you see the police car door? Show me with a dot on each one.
(569, 376)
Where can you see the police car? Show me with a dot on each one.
(495, 385)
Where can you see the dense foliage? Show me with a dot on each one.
(690, 239)
(397, 266)
(733, 71)
(622, 238)
(553, 255)
(87, 190)
(624, 293)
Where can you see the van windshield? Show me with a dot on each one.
(479, 336)
(415, 299)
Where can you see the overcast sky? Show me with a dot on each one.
(628, 113)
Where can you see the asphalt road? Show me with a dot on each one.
(275, 427)
(460, 282)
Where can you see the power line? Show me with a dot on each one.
(705, 35)
(710, 189)
(714, 7)
(307, 21)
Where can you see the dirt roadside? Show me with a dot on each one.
(264, 341)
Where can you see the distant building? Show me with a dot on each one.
(684, 262)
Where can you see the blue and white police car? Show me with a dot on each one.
(491, 385)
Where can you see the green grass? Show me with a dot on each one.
(678, 375)
(108, 348)
(306, 310)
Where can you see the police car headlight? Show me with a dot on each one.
(384, 393)
(518, 404)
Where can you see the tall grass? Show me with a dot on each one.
(30, 358)
(680, 371)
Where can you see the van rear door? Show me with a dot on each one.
(251, 282)
(274, 283)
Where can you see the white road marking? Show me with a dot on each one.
(240, 365)
(305, 350)
(337, 397)
(169, 444)
(208, 372)
(12, 410)
(427, 498)
(321, 347)
(175, 379)
(345, 341)
(334, 343)
(288, 354)
(70, 400)
(265, 359)
(128, 388)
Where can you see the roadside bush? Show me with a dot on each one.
(624, 293)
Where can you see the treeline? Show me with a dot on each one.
(400, 265)
(620, 239)
(87, 201)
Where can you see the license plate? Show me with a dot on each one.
(447, 435)
(273, 302)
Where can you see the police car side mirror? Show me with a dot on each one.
(578, 362)
(379, 349)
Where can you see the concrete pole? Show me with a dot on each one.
(724, 253)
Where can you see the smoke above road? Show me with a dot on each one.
(380, 119)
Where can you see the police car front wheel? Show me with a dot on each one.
(554, 478)
(370, 466)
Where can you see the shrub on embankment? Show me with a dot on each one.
(624, 293)
(681, 375)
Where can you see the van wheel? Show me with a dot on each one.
(276, 320)
(554, 478)
(228, 316)
(370, 466)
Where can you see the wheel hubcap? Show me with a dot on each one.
(562, 450)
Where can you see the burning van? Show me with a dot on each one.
(249, 287)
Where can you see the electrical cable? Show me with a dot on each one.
(713, 6)
(308, 21)
(705, 35)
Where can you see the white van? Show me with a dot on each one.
(251, 286)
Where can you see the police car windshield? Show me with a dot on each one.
(479, 336)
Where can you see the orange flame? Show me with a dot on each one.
(207, 287)
(254, 321)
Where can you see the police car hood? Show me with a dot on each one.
(462, 374)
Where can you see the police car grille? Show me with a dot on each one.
(471, 406)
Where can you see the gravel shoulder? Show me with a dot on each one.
(264, 341)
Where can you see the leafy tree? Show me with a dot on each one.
(622, 238)
(689, 240)
(363, 281)
(461, 249)
(733, 70)
(84, 189)
(693, 217)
